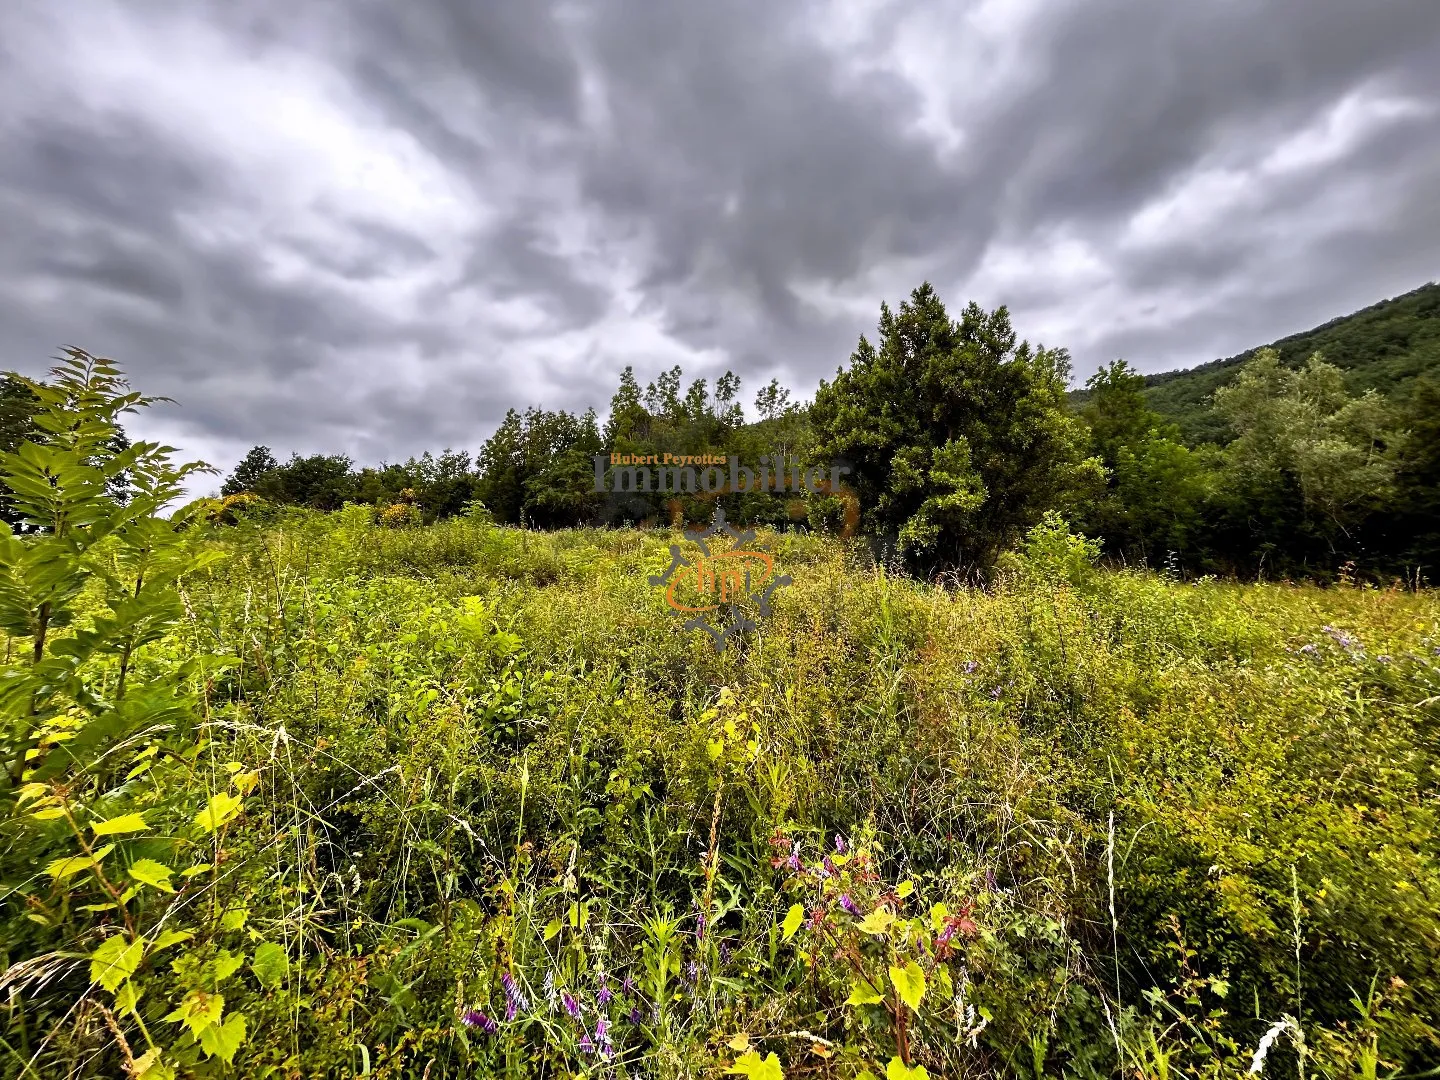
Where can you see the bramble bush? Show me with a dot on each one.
(302, 795)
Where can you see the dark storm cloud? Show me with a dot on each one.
(373, 227)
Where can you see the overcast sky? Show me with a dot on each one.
(370, 227)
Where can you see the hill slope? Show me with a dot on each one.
(1384, 346)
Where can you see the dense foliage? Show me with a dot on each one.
(1317, 457)
(326, 798)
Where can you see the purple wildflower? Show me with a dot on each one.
(692, 972)
(970, 666)
(477, 1019)
(794, 861)
(725, 952)
(995, 693)
(514, 997)
(552, 998)
(510, 1010)
(830, 867)
(840, 845)
(699, 926)
(604, 994)
(586, 1046)
(602, 1037)
(1384, 658)
(627, 986)
(848, 904)
(571, 1005)
(1310, 650)
(634, 1016)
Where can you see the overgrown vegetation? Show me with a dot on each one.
(320, 797)
(1312, 458)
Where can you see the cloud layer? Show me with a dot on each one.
(371, 227)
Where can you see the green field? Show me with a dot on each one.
(1160, 818)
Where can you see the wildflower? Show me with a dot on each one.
(840, 845)
(699, 926)
(848, 904)
(1310, 650)
(830, 870)
(970, 666)
(627, 987)
(995, 694)
(604, 994)
(634, 1016)
(477, 1019)
(794, 861)
(586, 1046)
(602, 1037)
(692, 972)
(513, 995)
(725, 952)
(571, 1005)
(510, 1011)
(552, 996)
(1384, 658)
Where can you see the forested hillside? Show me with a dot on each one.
(1384, 347)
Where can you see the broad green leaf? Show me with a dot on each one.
(222, 1040)
(897, 1070)
(152, 873)
(877, 922)
(64, 869)
(127, 997)
(49, 813)
(793, 918)
(904, 889)
(552, 928)
(222, 807)
(937, 917)
(172, 937)
(750, 1065)
(909, 983)
(115, 961)
(862, 993)
(234, 918)
(198, 1010)
(740, 1043)
(270, 964)
(224, 965)
(126, 823)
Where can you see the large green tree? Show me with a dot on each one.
(1157, 486)
(958, 437)
(1309, 461)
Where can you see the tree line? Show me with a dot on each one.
(958, 437)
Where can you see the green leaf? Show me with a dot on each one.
(152, 873)
(909, 983)
(750, 1065)
(172, 937)
(552, 928)
(115, 961)
(862, 993)
(198, 1010)
(793, 918)
(877, 922)
(937, 917)
(224, 965)
(127, 997)
(897, 1070)
(234, 918)
(64, 869)
(270, 964)
(904, 889)
(126, 823)
(221, 808)
(222, 1040)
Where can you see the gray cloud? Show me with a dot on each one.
(371, 228)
